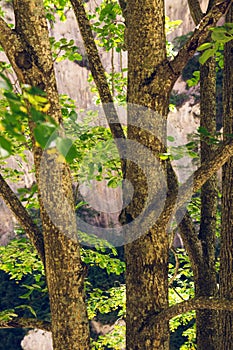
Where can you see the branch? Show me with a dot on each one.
(199, 36)
(123, 5)
(11, 44)
(97, 69)
(190, 239)
(6, 33)
(204, 172)
(23, 217)
(186, 306)
(176, 267)
(211, 4)
(20, 322)
(195, 11)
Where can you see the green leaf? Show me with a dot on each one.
(171, 138)
(5, 147)
(33, 90)
(204, 46)
(193, 154)
(203, 131)
(80, 204)
(114, 183)
(27, 307)
(66, 147)
(7, 315)
(220, 35)
(26, 295)
(164, 156)
(43, 134)
(75, 57)
(36, 115)
(5, 83)
(206, 55)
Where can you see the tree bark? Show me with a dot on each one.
(186, 306)
(205, 281)
(147, 256)
(226, 253)
(204, 272)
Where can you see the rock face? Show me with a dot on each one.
(6, 224)
(25, 179)
(178, 9)
(37, 340)
(182, 124)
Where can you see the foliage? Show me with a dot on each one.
(9, 296)
(20, 261)
(64, 49)
(19, 108)
(195, 79)
(96, 156)
(56, 7)
(113, 340)
(108, 24)
(104, 261)
(182, 288)
(170, 26)
(104, 302)
(220, 35)
(92, 150)
(117, 81)
(178, 152)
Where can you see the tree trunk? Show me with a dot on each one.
(205, 282)
(226, 254)
(28, 49)
(147, 253)
(204, 272)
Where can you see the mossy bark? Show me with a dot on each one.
(205, 281)
(147, 256)
(204, 271)
(226, 254)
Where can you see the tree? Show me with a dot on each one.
(206, 278)
(151, 76)
(227, 192)
(28, 49)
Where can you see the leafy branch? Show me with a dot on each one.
(199, 36)
(220, 36)
(97, 69)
